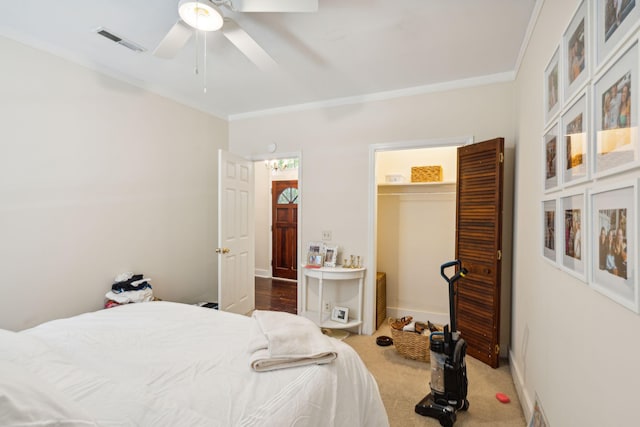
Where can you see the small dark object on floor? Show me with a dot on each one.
(213, 305)
(384, 341)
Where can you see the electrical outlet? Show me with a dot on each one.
(326, 235)
(327, 307)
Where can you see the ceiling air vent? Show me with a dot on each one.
(126, 43)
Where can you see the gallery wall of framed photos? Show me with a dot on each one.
(591, 159)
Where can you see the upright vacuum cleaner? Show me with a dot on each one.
(448, 368)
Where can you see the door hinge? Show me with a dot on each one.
(499, 254)
(497, 349)
(271, 228)
(501, 157)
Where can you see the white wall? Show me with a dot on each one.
(262, 219)
(573, 347)
(334, 143)
(98, 177)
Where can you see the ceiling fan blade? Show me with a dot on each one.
(247, 45)
(275, 5)
(175, 39)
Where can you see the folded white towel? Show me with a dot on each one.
(283, 340)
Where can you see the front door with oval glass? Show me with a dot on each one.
(285, 229)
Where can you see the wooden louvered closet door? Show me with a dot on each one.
(479, 247)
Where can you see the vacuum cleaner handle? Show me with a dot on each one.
(460, 273)
(451, 280)
(446, 265)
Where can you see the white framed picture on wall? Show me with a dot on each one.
(550, 149)
(552, 87)
(575, 48)
(549, 226)
(614, 210)
(575, 143)
(572, 228)
(615, 20)
(616, 115)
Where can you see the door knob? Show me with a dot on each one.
(222, 250)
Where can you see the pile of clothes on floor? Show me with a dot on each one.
(128, 288)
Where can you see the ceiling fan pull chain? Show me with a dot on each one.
(204, 63)
(197, 37)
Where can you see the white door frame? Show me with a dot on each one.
(370, 285)
(289, 155)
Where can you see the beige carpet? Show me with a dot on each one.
(404, 382)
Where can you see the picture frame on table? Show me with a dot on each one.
(314, 260)
(572, 220)
(340, 314)
(549, 226)
(316, 246)
(575, 142)
(614, 210)
(575, 48)
(331, 256)
(552, 87)
(550, 149)
(614, 22)
(616, 115)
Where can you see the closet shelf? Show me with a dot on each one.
(417, 188)
(414, 184)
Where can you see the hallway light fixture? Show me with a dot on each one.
(279, 165)
(275, 165)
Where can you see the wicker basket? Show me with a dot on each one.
(426, 174)
(411, 345)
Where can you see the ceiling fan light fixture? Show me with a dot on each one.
(201, 15)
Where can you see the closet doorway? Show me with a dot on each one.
(415, 226)
(419, 226)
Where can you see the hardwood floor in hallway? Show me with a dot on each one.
(276, 295)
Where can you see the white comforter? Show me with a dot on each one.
(168, 364)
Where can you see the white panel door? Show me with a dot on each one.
(236, 237)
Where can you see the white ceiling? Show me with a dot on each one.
(349, 48)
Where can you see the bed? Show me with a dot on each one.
(170, 364)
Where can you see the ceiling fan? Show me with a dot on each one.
(206, 15)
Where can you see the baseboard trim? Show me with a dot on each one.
(266, 274)
(525, 400)
(397, 312)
